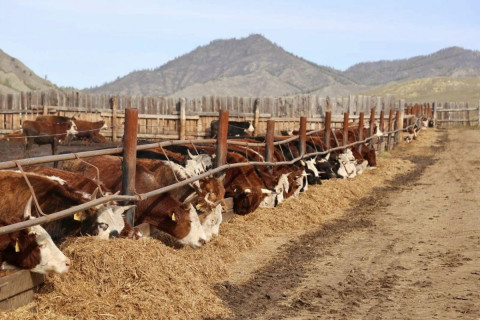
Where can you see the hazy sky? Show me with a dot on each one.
(84, 43)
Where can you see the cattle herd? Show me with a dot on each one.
(192, 214)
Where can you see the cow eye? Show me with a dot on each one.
(42, 245)
(103, 226)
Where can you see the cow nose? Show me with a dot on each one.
(114, 234)
(68, 263)
(202, 241)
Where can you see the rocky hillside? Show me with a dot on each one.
(248, 66)
(16, 77)
(440, 89)
(449, 62)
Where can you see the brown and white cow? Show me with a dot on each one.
(46, 132)
(179, 219)
(30, 248)
(55, 191)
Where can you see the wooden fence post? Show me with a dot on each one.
(372, 126)
(256, 117)
(129, 158)
(183, 120)
(303, 135)
(479, 113)
(221, 152)
(345, 128)
(396, 127)
(361, 121)
(328, 129)
(269, 140)
(390, 128)
(381, 146)
(113, 105)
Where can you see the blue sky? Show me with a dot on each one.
(84, 43)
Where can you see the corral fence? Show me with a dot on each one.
(392, 130)
(179, 118)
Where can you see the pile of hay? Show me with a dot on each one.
(128, 279)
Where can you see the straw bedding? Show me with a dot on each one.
(150, 279)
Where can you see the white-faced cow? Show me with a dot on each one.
(30, 248)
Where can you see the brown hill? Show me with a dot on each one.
(449, 62)
(16, 77)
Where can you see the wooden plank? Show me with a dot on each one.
(17, 289)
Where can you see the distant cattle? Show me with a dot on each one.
(235, 128)
(31, 248)
(45, 132)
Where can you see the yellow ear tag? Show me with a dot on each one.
(17, 247)
(198, 206)
(76, 217)
(173, 217)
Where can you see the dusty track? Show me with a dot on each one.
(410, 251)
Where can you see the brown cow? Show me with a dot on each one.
(30, 248)
(45, 132)
(163, 211)
(55, 191)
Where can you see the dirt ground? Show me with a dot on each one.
(401, 241)
(411, 250)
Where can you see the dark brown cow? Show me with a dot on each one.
(30, 248)
(54, 119)
(45, 132)
(163, 211)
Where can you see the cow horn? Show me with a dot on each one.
(27, 212)
(266, 191)
(190, 155)
(191, 197)
(94, 194)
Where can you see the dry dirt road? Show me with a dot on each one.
(409, 251)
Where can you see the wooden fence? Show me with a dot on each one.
(169, 118)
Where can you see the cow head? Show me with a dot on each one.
(347, 168)
(198, 164)
(186, 218)
(32, 249)
(211, 222)
(103, 221)
(250, 129)
(73, 130)
(312, 171)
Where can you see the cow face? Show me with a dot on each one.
(347, 168)
(312, 171)
(196, 235)
(211, 222)
(73, 130)
(34, 249)
(106, 222)
(198, 164)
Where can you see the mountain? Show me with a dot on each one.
(449, 62)
(16, 77)
(252, 66)
(442, 89)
